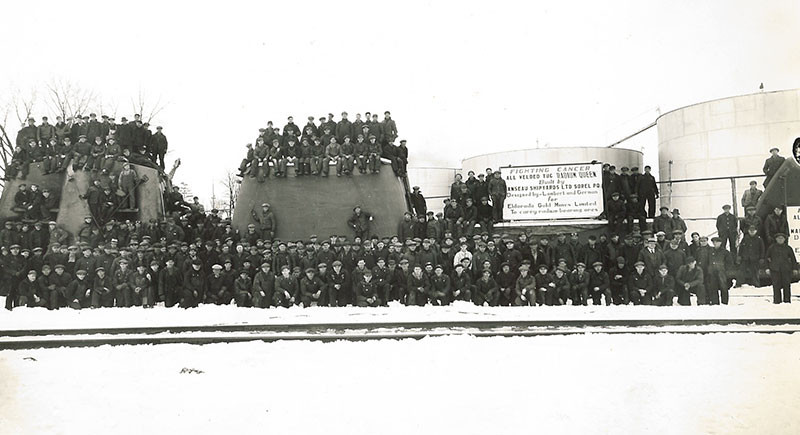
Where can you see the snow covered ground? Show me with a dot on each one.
(746, 302)
(626, 384)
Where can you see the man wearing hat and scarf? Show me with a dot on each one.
(781, 261)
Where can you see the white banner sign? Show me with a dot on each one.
(553, 192)
(793, 215)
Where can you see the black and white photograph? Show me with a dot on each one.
(421, 217)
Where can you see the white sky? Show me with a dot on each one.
(460, 78)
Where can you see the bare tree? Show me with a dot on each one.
(231, 185)
(23, 104)
(108, 107)
(58, 97)
(67, 99)
(143, 107)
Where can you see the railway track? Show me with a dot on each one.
(326, 332)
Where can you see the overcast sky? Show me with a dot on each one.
(460, 78)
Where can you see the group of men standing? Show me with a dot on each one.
(86, 142)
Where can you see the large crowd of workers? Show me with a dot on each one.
(103, 148)
(87, 142)
(193, 257)
(344, 145)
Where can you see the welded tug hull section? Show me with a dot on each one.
(311, 204)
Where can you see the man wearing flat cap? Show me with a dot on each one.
(771, 165)
(663, 222)
(718, 264)
(399, 157)
(750, 256)
(194, 285)
(781, 261)
(160, 145)
(360, 221)
(647, 190)
(652, 257)
(265, 221)
(750, 219)
(497, 191)
(83, 152)
(727, 229)
(751, 195)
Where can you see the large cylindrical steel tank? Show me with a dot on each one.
(618, 157)
(434, 183)
(722, 138)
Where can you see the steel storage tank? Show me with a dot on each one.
(722, 138)
(434, 182)
(618, 157)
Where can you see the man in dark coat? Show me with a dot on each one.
(719, 262)
(663, 222)
(771, 166)
(640, 285)
(599, 284)
(498, 191)
(727, 229)
(615, 211)
(267, 224)
(344, 128)
(124, 134)
(160, 145)
(27, 133)
(648, 191)
(194, 285)
(781, 260)
(418, 202)
(635, 211)
(690, 279)
(360, 222)
(45, 132)
(751, 255)
(663, 287)
(652, 257)
(399, 158)
(93, 128)
(138, 137)
(388, 128)
(775, 223)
